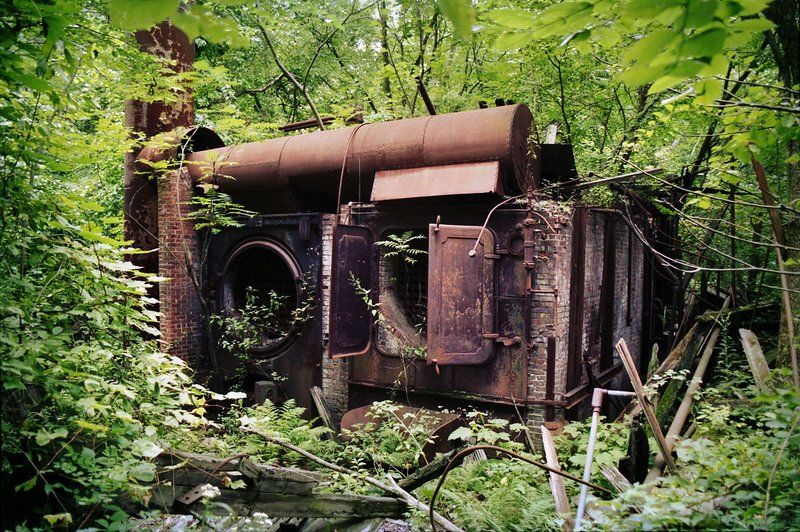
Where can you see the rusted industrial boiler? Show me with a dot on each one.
(428, 266)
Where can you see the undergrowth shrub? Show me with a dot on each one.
(86, 402)
(496, 494)
(230, 435)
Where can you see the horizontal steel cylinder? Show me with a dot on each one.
(312, 162)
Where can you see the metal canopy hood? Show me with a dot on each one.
(312, 163)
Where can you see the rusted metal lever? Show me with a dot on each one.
(503, 339)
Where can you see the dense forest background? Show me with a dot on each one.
(708, 91)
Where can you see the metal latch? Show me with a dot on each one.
(502, 339)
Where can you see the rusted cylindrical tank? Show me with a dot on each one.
(312, 162)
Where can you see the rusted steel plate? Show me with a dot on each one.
(433, 181)
(313, 162)
(350, 318)
(461, 300)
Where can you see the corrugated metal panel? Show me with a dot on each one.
(433, 181)
(461, 299)
(350, 319)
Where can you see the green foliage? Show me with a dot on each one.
(610, 447)
(681, 40)
(391, 437)
(497, 494)
(264, 320)
(86, 402)
(215, 210)
(483, 429)
(402, 247)
(285, 420)
(373, 307)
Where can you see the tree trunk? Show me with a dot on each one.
(784, 43)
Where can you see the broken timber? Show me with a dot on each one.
(277, 491)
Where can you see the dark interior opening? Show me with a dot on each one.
(411, 288)
(262, 283)
(403, 292)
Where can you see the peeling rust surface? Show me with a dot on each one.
(150, 118)
(461, 295)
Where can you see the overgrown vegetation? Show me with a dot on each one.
(706, 90)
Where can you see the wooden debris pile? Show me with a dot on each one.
(185, 479)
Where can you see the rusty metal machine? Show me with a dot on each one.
(431, 298)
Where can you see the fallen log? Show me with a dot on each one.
(426, 473)
(392, 488)
(280, 492)
(182, 469)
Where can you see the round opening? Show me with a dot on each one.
(261, 286)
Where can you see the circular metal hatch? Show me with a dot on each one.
(264, 280)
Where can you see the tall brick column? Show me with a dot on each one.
(182, 322)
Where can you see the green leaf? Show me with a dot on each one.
(511, 40)
(140, 14)
(43, 438)
(644, 9)
(33, 82)
(27, 485)
(461, 14)
(513, 18)
(54, 519)
(93, 427)
(647, 48)
(753, 25)
(461, 433)
(146, 448)
(706, 44)
(707, 91)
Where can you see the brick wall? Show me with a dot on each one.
(622, 328)
(550, 310)
(181, 320)
(335, 371)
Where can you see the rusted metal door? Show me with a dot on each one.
(461, 298)
(350, 317)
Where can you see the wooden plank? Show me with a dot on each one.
(755, 358)
(323, 505)
(669, 397)
(616, 478)
(556, 481)
(322, 409)
(633, 408)
(187, 470)
(630, 367)
(245, 501)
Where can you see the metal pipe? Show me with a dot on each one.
(312, 162)
(597, 403)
